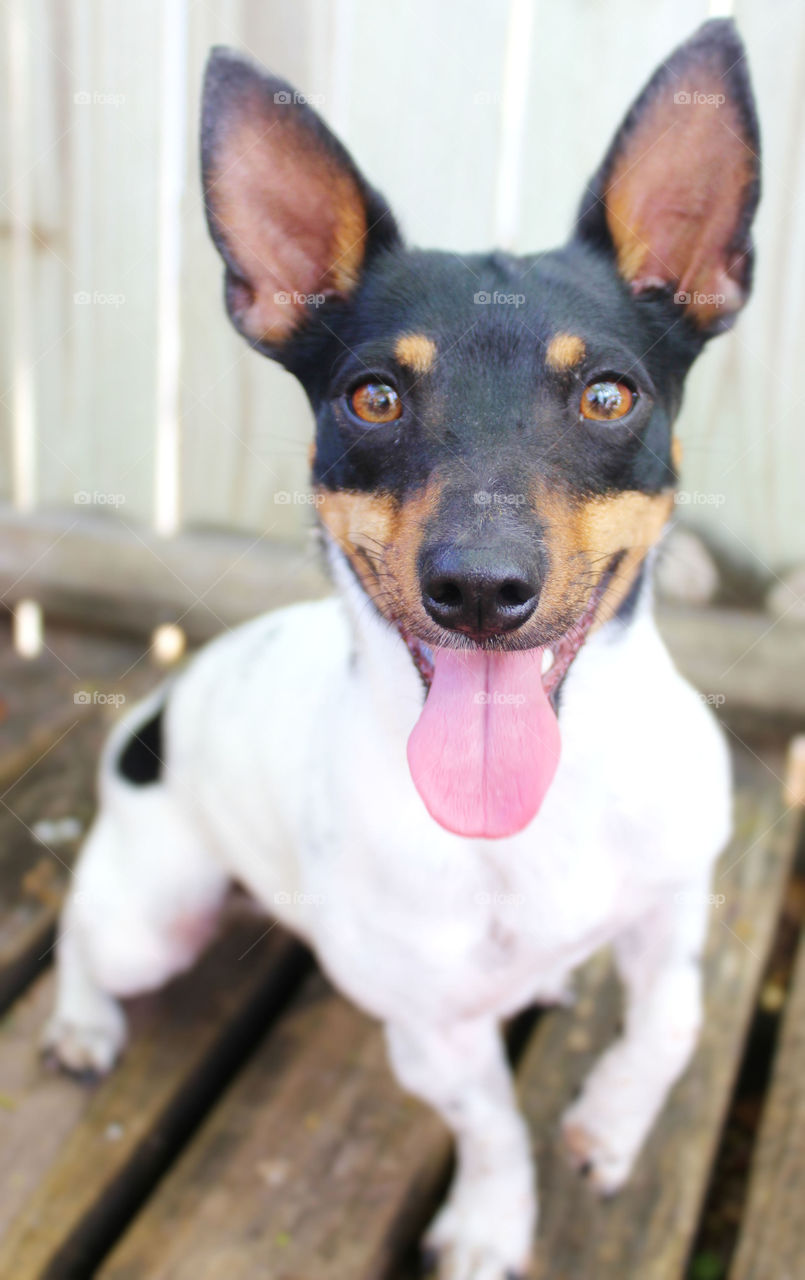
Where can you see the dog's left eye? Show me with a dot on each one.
(375, 402)
(606, 400)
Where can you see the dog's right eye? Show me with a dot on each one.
(375, 402)
(606, 400)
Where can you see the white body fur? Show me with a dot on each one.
(286, 768)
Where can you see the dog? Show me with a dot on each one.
(475, 764)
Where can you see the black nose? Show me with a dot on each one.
(481, 594)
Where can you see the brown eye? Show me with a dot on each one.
(376, 402)
(606, 401)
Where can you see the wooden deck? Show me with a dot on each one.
(253, 1129)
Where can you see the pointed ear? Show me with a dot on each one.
(675, 196)
(291, 216)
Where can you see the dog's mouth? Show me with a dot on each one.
(486, 746)
(557, 657)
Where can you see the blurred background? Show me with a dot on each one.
(130, 409)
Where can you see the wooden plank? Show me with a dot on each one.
(264, 1191)
(647, 1230)
(97, 573)
(445, 114)
(96, 378)
(75, 1159)
(771, 1245)
(37, 695)
(739, 660)
(6, 259)
(315, 1165)
(49, 747)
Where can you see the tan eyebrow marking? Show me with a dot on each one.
(564, 351)
(416, 351)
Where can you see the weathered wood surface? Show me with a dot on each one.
(49, 746)
(315, 1165)
(37, 696)
(772, 1239)
(98, 573)
(648, 1229)
(75, 1159)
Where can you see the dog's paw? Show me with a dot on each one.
(483, 1232)
(599, 1145)
(85, 1049)
(465, 1263)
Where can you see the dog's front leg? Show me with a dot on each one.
(484, 1230)
(659, 964)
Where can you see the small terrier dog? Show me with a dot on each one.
(476, 764)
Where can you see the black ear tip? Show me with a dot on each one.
(223, 61)
(719, 36)
(229, 74)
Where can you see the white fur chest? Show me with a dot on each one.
(313, 806)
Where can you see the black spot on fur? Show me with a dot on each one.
(141, 760)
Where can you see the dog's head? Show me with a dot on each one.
(494, 453)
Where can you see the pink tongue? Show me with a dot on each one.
(485, 748)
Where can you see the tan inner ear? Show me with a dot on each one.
(293, 221)
(676, 191)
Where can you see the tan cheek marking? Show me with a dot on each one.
(630, 519)
(411, 520)
(582, 537)
(382, 538)
(416, 352)
(564, 351)
(677, 453)
(361, 524)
